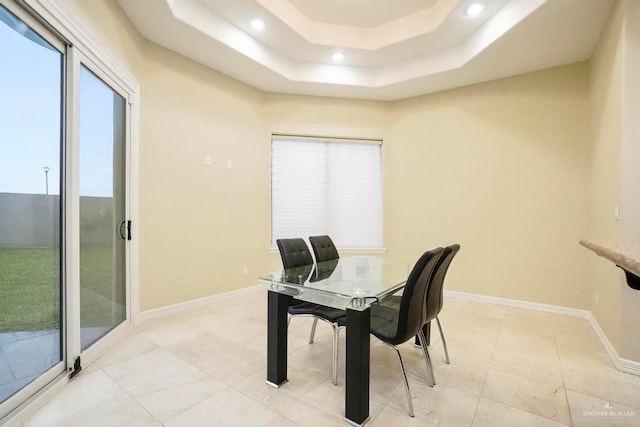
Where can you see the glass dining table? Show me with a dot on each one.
(350, 283)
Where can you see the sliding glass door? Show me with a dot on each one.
(103, 226)
(64, 227)
(31, 170)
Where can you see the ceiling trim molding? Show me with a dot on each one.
(199, 18)
(521, 36)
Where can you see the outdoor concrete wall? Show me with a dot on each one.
(29, 220)
(32, 220)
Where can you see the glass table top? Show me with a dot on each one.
(349, 282)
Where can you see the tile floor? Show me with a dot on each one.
(25, 355)
(206, 367)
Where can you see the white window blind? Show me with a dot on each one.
(327, 186)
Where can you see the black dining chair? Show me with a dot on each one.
(323, 248)
(434, 303)
(295, 253)
(396, 325)
(323, 271)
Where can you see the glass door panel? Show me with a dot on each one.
(30, 207)
(103, 229)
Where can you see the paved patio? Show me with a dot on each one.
(24, 356)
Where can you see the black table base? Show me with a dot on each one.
(277, 338)
(358, 355)
(357, 370)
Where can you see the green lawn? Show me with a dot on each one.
(30, 289)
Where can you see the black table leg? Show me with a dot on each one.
(277, 338)
(357, 370)
(426, 330)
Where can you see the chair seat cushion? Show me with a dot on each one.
(384, 322)
(392, 301)
(333, 315)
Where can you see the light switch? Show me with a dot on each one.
(229, 164)
(207, 160)
(616, 212)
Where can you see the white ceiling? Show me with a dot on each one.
(394, 49)
(350, 12)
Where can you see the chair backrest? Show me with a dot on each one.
(299, 274)
(433, 303)
(294, 253)
(324, 270)
(411, 315)
(323, 248)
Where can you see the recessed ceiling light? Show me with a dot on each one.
(257, 24)
(338, 56)
(474, 9)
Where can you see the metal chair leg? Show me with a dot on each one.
(406, 382)
(444, 342)
(427, 359)
(336, 330)
(313, 330)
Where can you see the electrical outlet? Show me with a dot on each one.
(616, 212)
(245, 271)
(207, 160)
(229, 164)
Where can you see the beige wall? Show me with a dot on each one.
(606, 119)
(615, 100)
(309, 115)
(630, 174)
(501, 168)
(515, 177)
(199, 226)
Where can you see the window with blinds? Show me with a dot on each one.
(327, 186)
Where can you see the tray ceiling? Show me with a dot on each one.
(392, 49)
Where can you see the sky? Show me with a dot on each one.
(31, 120)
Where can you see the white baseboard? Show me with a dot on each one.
(520, 304)
(143, 316)
(622, 364)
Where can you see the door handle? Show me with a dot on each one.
(121, 227)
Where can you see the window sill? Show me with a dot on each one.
(274, 250)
